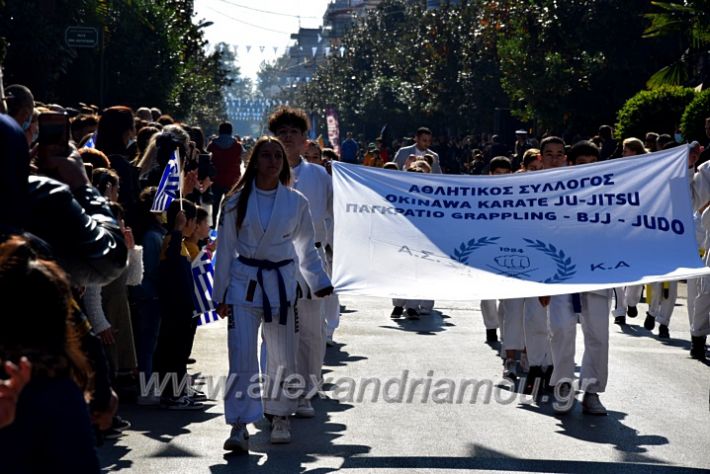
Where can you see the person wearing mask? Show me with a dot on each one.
(20, 105)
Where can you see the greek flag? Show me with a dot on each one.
(90, 143)
(168, 188)
(203, 279)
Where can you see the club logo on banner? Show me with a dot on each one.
(566, 230)
(518, 262)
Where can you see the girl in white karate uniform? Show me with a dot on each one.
(265, 231)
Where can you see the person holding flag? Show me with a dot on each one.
(265, 237)
(169, 186)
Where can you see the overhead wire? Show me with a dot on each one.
(269, 12)
(239, 20)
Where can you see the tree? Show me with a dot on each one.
(688, 24)
(153, 54)
(692, 124)
(658, 110)
(570, 65)
(407, 67)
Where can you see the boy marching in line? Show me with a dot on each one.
(512, 309)
(290, 126)
(592, 309)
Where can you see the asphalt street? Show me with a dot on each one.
(657, 397)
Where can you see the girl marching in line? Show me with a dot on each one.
(265, 231)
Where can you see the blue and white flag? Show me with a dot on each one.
(203, 279)
(565, 230)
(169, 187)
(91, 142)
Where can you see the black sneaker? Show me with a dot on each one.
(111, 434)
(632, 312)
(197, 395)
(547, 377)
(620, 320)
(491, 335)
(650, 322)
(534, 381)
(183, 403)
(413, 313)
(697, 348)
(663, 332)
(397, 312)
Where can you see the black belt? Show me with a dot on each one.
(269, 265)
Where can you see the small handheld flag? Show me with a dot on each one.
(203, 279)
(91, 142)
(169, 187)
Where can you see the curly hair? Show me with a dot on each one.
(287, 116)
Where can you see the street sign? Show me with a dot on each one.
(81, 37)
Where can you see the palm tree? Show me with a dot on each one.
(690, 22)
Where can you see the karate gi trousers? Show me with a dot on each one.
(594, 317)
(243, 399)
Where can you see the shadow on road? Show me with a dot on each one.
(312, 438)
(158, 424)
(484, 459)
(427, 325)
(605, 430)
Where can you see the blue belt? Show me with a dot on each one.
(269, 265)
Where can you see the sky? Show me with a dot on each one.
(256, 33)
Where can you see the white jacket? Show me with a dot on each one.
(289, 235)
(314, 182)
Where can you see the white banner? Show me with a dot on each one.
(564, 230)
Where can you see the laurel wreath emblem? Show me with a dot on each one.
(565, 268)
(462, 253)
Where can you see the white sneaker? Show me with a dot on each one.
(524, 364)
(329, 342)
(238, 439)
(510, 369)
(305, 409)
(591, 405)
(280, 430)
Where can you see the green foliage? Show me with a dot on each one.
(556, 65)
(692, 124)
(658, 110)
(688, 23)
(562, 63)
(153, 54)
(408, 67)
